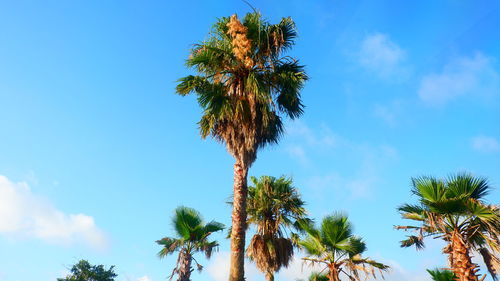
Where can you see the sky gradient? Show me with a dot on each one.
(97, 151)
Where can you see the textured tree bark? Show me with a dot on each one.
(184, 266)
(239, 217)
(333, 274)
(461, 261)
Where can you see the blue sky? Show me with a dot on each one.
(96, 150)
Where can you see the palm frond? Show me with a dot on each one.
(491, 261)
(441, 275)
(213, 226)
(185, 221)
(413, 240)
(465, 184)
(170, 245)
(335, 230)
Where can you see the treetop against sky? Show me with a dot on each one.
(97, 150)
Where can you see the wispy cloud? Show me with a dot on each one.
(462, 76)
(389, 112)
(25, 214)
(380, 55)
(144, 278)
(485, 144)
(397, 273)
(298, 152)
(320, 145)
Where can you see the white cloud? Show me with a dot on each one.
(485, 144)
(25, 214)
(298, 270)
(398, 273)
(144, 278)
(383, 57)
(462, 76)
(218, 268)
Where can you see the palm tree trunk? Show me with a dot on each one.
(461, 262)
(184, 266)
(333, 274)
(239, 217)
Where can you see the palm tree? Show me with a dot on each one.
(334, 246)
(275, 208)
(191, 236)
(245, 85)
(442, 275)
(454, 210)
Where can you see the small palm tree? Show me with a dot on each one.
(334, 246)
(455, 211)
(245, 86)
(275, 208)
(441, 275)
(191, 237)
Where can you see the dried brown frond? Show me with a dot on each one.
(492, 262)
(270, 253)
(241, 44)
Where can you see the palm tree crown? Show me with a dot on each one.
(191, 236)
(244, 82)
(334, 246)
(454, 210)
(275, 208)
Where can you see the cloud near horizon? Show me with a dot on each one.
(144, 278)
(24, 214)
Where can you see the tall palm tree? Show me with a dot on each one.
(334, 246)
(245, 85)
(191, 236)
(454, 210)
(276, 209)
(442, 275)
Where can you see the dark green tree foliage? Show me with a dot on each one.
(84, 271)
(315, 276)
(442, 275)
